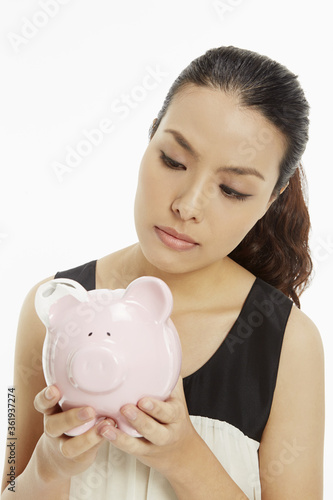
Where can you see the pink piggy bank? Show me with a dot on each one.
(106, 348)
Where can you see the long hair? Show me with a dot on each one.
(276, 249)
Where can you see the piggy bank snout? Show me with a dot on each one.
(95, 369)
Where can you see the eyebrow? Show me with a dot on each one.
(236, 170)
(183, 143)
(242, 171)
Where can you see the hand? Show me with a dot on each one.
(166, 428)
(59, 455)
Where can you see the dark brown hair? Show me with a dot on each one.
(276, 249)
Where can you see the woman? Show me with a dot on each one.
(221, 218)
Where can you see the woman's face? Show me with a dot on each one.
(208, 173)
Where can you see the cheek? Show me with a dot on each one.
(149, 193)
(234, 220)
(154, 183)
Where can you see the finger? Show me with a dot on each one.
(58, 423)
(132, 445)
(164, 412)
(151, 429)
(79, 446)
(167, 411)
(80, 454)
(46, 400)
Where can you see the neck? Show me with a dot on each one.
(191, 288)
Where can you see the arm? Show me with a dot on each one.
(29, 485)
(291, 450)
(28, 381)
(44, 460)
(56, 457)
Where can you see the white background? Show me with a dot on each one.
(65, 76)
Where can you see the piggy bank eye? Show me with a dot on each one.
(89, 334)
(108, 333)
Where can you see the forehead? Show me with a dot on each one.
(220, 129)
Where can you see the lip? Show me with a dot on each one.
(175, 234)
(173, 242)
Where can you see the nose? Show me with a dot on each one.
(95, 369)
(193, 201)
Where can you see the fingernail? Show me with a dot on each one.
(86, 414)
(103, 420)
(108, 433)
(49, 393)
(146, 404)
(104, 423)
(130, 413)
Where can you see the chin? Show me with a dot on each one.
(167, 264)
(165, 260)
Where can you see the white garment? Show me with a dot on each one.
(115, 475)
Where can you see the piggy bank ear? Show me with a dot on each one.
(153, 294)
(50, 292)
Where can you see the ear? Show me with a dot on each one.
(50, 292)
(151, 293)
(272, 199)
(284, 188)
(152, 126)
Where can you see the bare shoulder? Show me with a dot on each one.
(302, 338)
(293, 438)
(30, 331)
(301, 367)
(28, 311)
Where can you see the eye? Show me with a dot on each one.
(169, 162)
(89, 334)
(231, 193)
(227, 191)
(108, 333)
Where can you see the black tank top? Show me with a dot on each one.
(237, 383)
